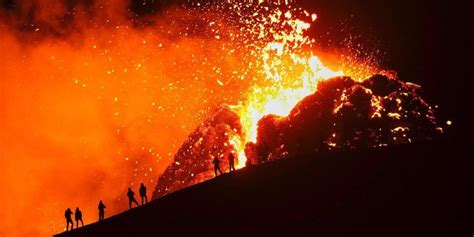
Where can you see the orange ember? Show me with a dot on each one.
(94, 100)
(284, 68)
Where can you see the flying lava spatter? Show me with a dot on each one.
(98, 96)
(284, 113)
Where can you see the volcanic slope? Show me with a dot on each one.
(405, 190)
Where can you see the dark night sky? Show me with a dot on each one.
(425, 42)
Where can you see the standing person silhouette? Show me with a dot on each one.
(101, 210)
(78, 217)
(216, 166)
(68, 215)
(231, 162)
(143, 194)
(131, 198)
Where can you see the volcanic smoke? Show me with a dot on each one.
(97, 96)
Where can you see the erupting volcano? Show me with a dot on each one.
(98, 96)
(298, 105)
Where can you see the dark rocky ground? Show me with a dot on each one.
(422, 189)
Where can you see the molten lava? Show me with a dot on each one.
(285, 113)
(98, 97)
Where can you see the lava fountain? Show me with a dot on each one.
(286, 70)
(98, 96)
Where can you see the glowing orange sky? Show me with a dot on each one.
(100, 105)
(83, 118)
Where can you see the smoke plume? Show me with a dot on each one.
(97, 96)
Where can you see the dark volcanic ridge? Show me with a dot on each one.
(402, 190)
(342, 114)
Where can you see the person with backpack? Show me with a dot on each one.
(68, 216)
(78, 217)
(131, 198)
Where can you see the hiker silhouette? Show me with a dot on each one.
(143, 194)
(101, 208)
(216, 166)
(131, 198)
(78, 217)
(231, 162)
(68, 215)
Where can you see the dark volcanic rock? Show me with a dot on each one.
(404, 190)
(341, 115)
(382, 85)
(193, 161)
(344, 114)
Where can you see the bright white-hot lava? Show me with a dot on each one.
(288, 73)
(295, 103)
(97, 98)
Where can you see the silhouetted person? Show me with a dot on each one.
(216, 166)
(131, 198)
(78, 217)
(68, 215)
(231, 162)
(143, 194)
(101, 210)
